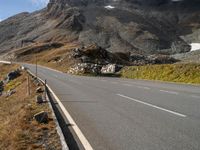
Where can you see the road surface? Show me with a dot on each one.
(124, 114)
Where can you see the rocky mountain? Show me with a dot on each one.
(135, 26)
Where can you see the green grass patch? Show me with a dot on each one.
(12, 85)
(183, 73)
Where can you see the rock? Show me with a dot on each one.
(28, 106)
(1, 87)
(109, 69)
(1, 83)
(84, 68)
(76, 53)
(39, 99)
(41, 117)
(39, 90)
(85, 59)
(161, 59)
(136, 57)
(10, 92)
(12, 75)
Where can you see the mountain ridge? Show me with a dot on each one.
(136, 26)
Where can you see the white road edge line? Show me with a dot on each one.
(170, 92)
(59, 131)
(154, 106)
(75, 127)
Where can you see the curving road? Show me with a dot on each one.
(123, 114)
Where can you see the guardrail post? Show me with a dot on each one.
(28, 86)
(45, 90)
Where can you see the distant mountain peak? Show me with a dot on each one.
(140, 26)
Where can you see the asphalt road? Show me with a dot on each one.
(123, 114)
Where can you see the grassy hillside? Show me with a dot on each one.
(184, 73)
(18, 129)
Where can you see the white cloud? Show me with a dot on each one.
(40, 2)
(0, 20)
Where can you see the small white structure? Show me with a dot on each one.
(195, 46)
(6, 62)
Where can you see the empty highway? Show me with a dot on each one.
(124, 114)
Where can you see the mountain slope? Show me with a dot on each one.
(136, 26)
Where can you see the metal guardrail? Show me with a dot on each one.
(58, 128)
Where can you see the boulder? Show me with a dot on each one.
(85, 59)
(1, 83)
(10, 92)
(41, 117)
(76, 53)
(83, 68)
(109, 69)
(39, 99)
(161, 59)
(12, 75)
(1, 87)
(136, 57)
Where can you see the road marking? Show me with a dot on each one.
(143, 87)
(74, 81)
(61, 134)
(126, 81)
(75, 127)
(103, 80)
(114, 82)
(170, 92)
(55, 76)
(194, 96)
(154, 106)
(127, 84)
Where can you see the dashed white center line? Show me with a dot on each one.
(55, 76)
(170, 92)
(194, 96)
(127, 84)
(143, 87)
(114, 82)
(154, 106)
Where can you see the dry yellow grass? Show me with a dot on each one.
(4, 69)
(48, 58)
(183, 73)
(18, 130)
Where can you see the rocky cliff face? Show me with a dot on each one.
(136, 26)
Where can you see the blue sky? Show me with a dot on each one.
(11, 7)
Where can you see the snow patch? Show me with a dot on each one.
(195, 46)
(109, 7)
